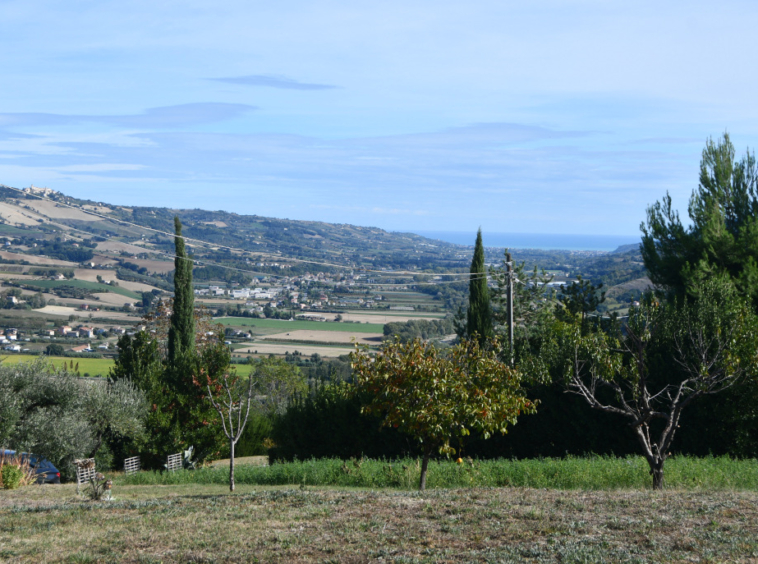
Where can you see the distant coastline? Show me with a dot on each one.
(544, 241)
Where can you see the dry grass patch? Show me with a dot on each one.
(203, 524)
(40, 260)
(68, 311)
(338, 337)
(262, 348)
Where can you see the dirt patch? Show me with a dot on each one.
(380, 318)
(328, 337)
(157, 266)
(102, 260)
(264, 348)
(112, 299)
(91, 274)
(97, 209)
(66, 311)
(136, 286)
(216, 223)
(52, 210)
(13, 276)
(16, 216)
(36, 259)
(118, 247)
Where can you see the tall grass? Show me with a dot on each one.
(590, 473)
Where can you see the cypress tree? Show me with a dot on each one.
(479, 319)
(181, 333)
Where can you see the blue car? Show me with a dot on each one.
(44, 470)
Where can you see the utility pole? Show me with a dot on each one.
(509, 274)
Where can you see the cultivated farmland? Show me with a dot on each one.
(285, 326)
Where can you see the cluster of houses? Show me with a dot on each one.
(9, 340)
(293, 292)
(240, 293)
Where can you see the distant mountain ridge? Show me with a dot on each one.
(315, 241)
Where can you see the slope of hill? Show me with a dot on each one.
(142, 230)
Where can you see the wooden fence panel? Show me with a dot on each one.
(131, 465)
(174, 462)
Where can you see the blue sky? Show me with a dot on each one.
(558, 116)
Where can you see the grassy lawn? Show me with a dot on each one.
(203, 523)
(573, 473)
(93, 286)
(283, 325)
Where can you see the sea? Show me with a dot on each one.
(544, 241)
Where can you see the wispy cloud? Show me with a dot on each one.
(665, 141)
(182, 115)
(274, 81)
(513, 169)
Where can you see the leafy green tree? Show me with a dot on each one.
(579, 299)
(275, 382)
(722, 238)
(53, 414)
(532, 298)
(181, 333)
(180, 415)
(479, 315)
(437, 397)
(669, 355)
(116, 407)
(54, 349)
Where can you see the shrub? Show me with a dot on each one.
(12, 476)
(99, 487)
(329, 423)
(14, 472)
(258, 428)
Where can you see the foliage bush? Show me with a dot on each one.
(54, 415)
(329, 423)
(251, 442)
(15, 472)
(12, 476)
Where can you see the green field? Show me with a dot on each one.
(91, 366)
(6, 229)
(93, 286)
(296, 325)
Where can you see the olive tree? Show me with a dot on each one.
(54, 414)
(436, 396)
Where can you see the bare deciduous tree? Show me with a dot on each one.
(231, 398)
(669, 355)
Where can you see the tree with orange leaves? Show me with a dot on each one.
(437, 396)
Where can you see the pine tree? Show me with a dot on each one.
(181, 334)
(720, 240)
(479, 310)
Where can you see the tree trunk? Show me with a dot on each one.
(424, 467)
(231, 468)
(656, 471)
(98, 444)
